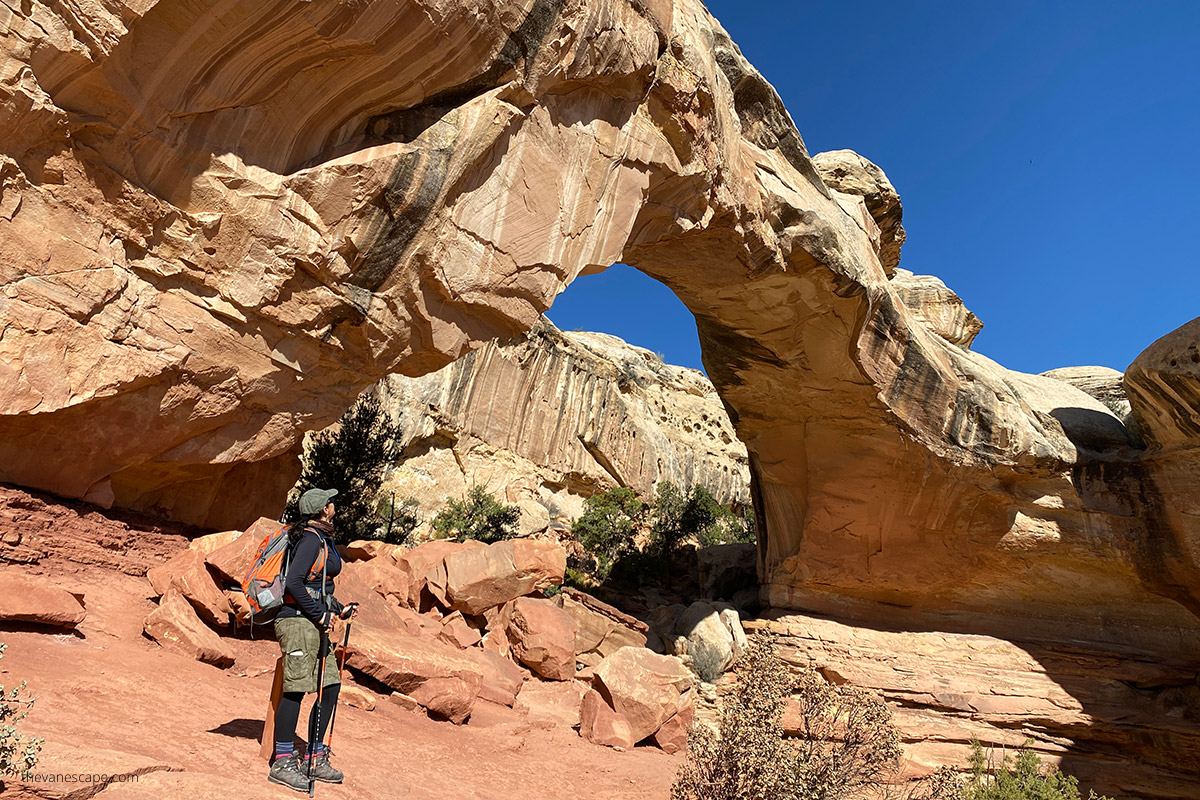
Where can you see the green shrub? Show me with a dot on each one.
(666, 527)
(1021, 778)
(577, 579)
(708, 661)
(351, 458)
(695, 515)
(480, 517)
(607, 526)
(18, 751)
(397, 520)
(848, 743)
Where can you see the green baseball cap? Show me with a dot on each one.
(312, 501)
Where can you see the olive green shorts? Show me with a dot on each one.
(299, 640)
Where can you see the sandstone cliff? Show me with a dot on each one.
(546, 420)
(209, 250)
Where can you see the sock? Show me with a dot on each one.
(283, 750)
(317, 750)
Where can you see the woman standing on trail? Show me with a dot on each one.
(302, 628)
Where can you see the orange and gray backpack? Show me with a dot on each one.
(264, 582)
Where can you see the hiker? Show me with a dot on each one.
(302, 627)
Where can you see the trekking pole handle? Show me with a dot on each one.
(348, 610)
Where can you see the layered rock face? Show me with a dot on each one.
(548, 419)
(220, 224)
(209, 250)
(1120, 721)
(1163, 384)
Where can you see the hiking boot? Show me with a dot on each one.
(286, 772)
(322, 770)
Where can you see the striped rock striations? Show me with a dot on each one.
(1163, 387)
(218, 224)
(546, 420)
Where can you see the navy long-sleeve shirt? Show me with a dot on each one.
(298, 601)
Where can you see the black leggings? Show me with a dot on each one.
(289, 714)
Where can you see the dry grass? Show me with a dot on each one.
(847, 748)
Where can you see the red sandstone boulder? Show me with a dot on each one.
(542, 637)
(233, 560)
(599, 724)
(404, 701)
(426, 569)
(187, 574)
(643, 687)
(212, 542)
(360, 582)
(554, 702)
(357, 583)
(356, 696)
(435, 675)
(495, 640)
(243, 614)
(456, 631)
(367, 549)
(419, 624)
(672, 736)
(602, 629)
(502, 679)
(383, 575)
(175, 626)
(481, 578)
(32, 598)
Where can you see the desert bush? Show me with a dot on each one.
(847, 747)
(607, 526)
(480, 516)
(18, 751)
(944, 784)
(578, 579)
(708, 662)
(680, 516)
(397, 520)
(1021, 778)
(666, 527)
(351, 458)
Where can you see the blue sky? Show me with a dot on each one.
(1047, 155)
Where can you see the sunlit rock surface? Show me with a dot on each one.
(937, 307)
(1103, 383)
(546, 420)
(846, 172)
(218, 224)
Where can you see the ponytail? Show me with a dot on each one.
(299, 526)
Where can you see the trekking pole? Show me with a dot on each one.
(341, 665)
(314, 718)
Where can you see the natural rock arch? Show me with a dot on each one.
(221, 223)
